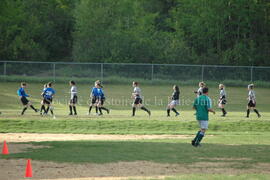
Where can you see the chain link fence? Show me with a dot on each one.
(55, 71)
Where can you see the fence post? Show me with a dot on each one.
(5, 70)
(251, 73)
(101, 71)
(53, 72)
(152, 72)
(202, 75)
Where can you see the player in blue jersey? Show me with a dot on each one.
(94, 97)
(49, 93)
(101, 99)
(42, 103)
(23, 97)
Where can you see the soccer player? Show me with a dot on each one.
(199, 91)
(174, 101)
(42, 101)
(101, 100)
(136, 95)
(49, 93)
(222, 99)
(23, 97)
(94, 97)
(251, 101)
(73, 98)
(203, 106)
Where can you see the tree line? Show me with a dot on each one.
(225, 32)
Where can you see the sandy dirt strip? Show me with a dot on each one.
(28, 137)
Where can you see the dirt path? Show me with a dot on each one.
(27, 137)
(14, 170)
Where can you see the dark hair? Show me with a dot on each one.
(176, 88)
(72, 82)
(23, 84)
(136, 83)
(49, 84)
(205, 90)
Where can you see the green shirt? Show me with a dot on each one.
(202, 104)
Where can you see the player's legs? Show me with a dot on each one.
(200, 134)
(42, 108)
(222, 107)
(144, 108)
(102, 107)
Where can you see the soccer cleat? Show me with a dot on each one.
(168, 115)
(177, 114)
(108, 111)
(259, 116)
(149, 113)
(193, 142)
(223, 115)
(37, 110)
(70, 114)
(75, 114)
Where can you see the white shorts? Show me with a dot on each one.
(203, 124)
(174, 103)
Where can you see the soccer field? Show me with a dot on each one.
(138, 147)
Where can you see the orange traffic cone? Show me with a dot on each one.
(28, 171)
(5, 149)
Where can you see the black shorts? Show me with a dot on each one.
(102, 101)
(94, 100)
(251, 104)
(47, 100)
(74, 100)
(138, 100)
(24, 100)
(223, 101)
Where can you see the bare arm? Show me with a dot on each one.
(212, 110)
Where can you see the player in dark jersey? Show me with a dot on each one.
(42, 108)
(136, 95)
(23, 97)
(101, 100)
(49, 93)
(174, 101)
(94, 98)
(73, 98)
(251, 101)
(222, 99)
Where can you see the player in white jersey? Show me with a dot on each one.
(136, 95)
(199, 91)
(222, 99)
(73, 98)
(251, 100)
(42, 108)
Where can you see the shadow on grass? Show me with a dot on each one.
(160, 152)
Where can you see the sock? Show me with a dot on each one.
(144, 108)
(133, 111)
(196, 137)
(90, 108)
(24, 109)
(70, 109)
(47, 110)
(51, 111)
(96, 109)
(74, 109)
(200, 137)
(174, 110)
(257, 112)
(248, 111)
(42, 108)
(168, 112)
(100, 110)
(224, 112)
(105, 109)
(33, 108)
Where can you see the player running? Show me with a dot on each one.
(251, 101)
(174, 101)
(202, 105)
(49, 93)
(222, 99)
(73, 98)
(23, 97)
(136, 95)
(94, 97)
(42, 108)
(199, 91)
(101, 99)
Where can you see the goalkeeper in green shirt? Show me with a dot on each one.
(202, 105)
